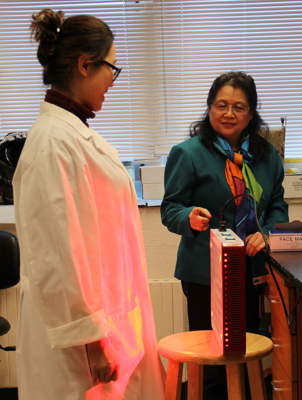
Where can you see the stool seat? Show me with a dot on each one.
(199, 348)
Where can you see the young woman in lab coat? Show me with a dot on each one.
(86, 328)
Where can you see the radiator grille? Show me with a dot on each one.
(169, 310)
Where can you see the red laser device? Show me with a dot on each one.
(228, 315)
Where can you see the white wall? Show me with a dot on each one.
(161, 245)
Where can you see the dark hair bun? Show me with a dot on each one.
(46, 27)
(63, 40)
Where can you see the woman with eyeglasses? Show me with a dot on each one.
(86, 328)
(225, 156)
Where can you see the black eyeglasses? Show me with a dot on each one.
(116, 71)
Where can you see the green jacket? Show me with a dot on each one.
(195, 177)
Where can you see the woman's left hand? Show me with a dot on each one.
(254, 243)
(103, 361)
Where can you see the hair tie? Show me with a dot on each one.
(59, 31)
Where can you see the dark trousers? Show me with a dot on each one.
(199, 314)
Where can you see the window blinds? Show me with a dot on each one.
(170, 52)
(126, 119)
(202, 39)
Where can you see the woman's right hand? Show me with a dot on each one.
(199, 219)
(103, 361)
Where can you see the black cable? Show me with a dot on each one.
(293, 313)
(8, 348)
(222, 228)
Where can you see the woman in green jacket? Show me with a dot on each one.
(225, 156)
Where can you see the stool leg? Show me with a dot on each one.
(235, 379)
(256, 379)
(195, 382)
(174, 380)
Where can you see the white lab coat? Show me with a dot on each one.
(83, 266)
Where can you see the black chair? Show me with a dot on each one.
(9, 272)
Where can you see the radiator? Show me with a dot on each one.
(169, 309)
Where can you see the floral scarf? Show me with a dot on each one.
(241, 179)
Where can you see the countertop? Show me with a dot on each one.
(289, 265)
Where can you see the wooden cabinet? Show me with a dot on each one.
(287, 354)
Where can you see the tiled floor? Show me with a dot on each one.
(12, 394)
(268, 385)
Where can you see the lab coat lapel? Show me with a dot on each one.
(87, 133)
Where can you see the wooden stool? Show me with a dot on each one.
(200, 348)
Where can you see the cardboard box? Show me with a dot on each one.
(153, 191)
(292, 186)
(152, 174)
(285, 241)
